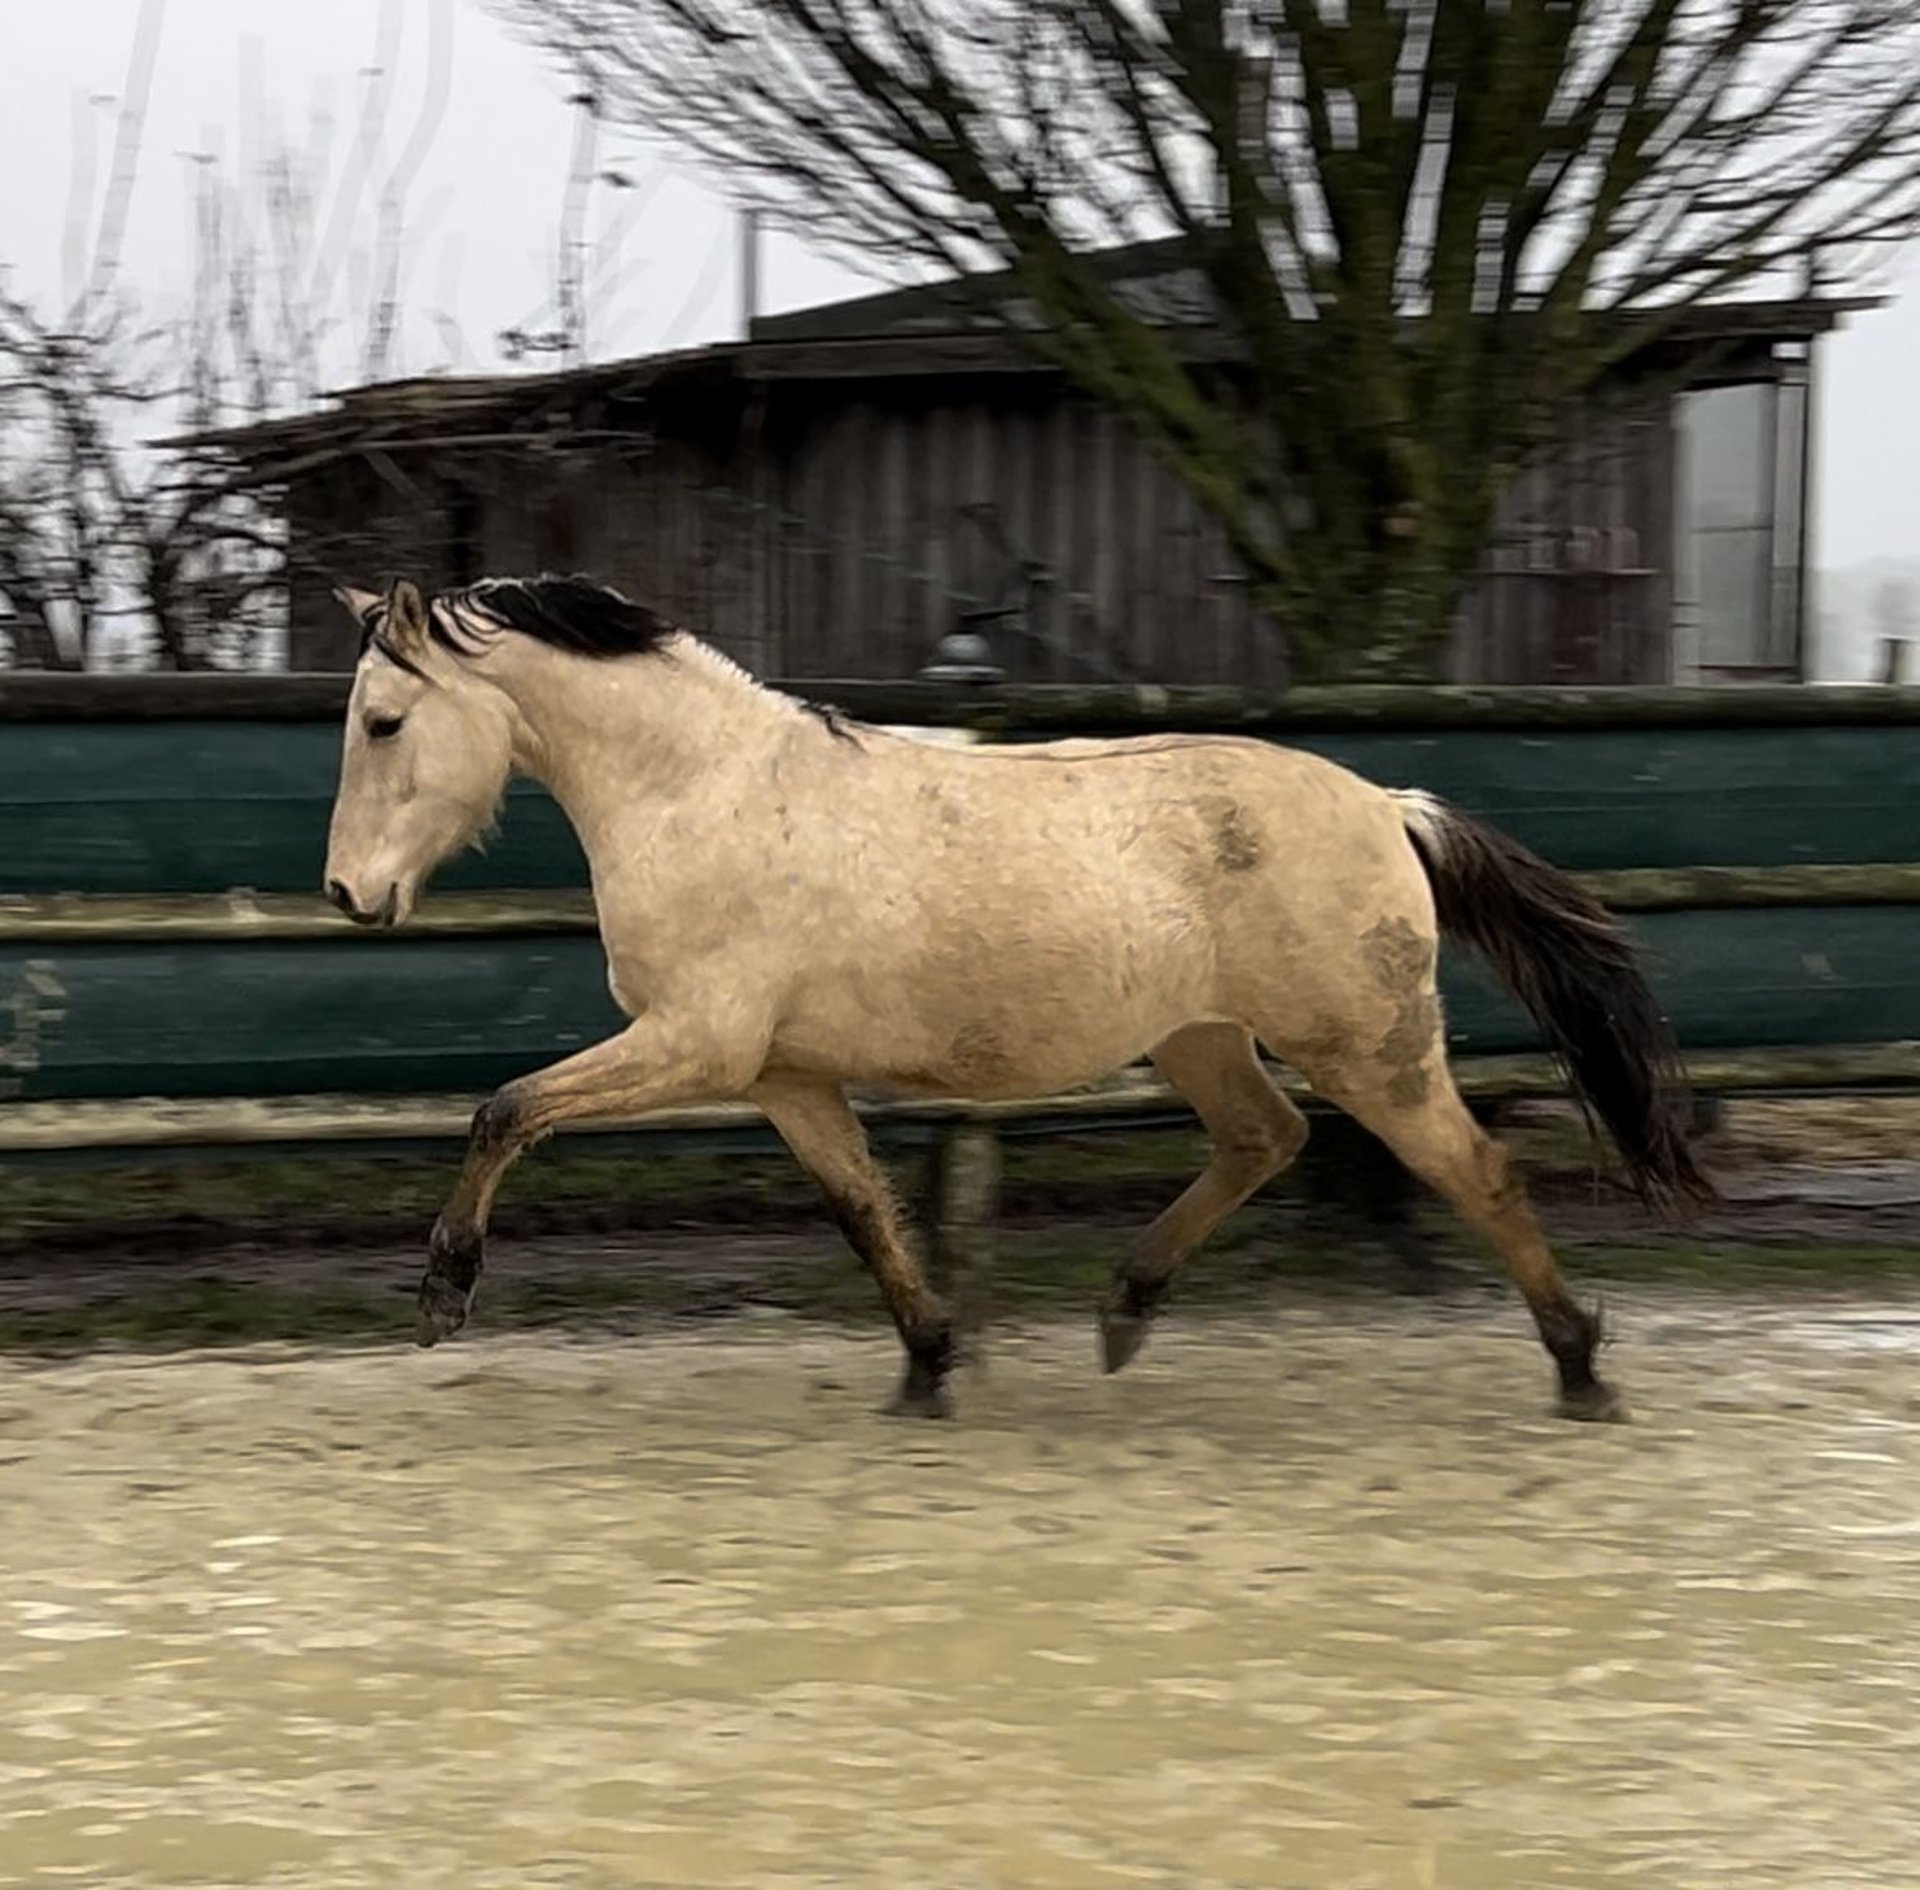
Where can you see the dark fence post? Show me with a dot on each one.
(966, 1212)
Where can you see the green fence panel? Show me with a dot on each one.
(1591, 800)
(194, 807)
(286, 1018)
(397, 1014)
(187, 807)
(1756, 979)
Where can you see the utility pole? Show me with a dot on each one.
(749, 271)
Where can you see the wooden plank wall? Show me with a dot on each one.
(846, 540)
(834, 531)
(841, 543)
(130, 803)
(356, 1014)
(901, 513)
(1578, 582)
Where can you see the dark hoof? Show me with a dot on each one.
(1130, 1309)
(920, 1401)
(1122, 1334)
(923, 1391)
(1594, 1403)
(443, 1309)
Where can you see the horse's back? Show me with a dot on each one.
(1244, 842)
(1231, 797)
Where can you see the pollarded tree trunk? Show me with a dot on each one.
(1385, 609)
(29, 627)
(34, 644)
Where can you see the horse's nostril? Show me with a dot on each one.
(338, 895)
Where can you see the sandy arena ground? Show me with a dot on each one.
(1329, 1602)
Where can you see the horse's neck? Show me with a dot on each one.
(614, 741)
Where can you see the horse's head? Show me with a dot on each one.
(426, 756)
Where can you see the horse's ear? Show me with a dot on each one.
(358, 604)
(406, 616)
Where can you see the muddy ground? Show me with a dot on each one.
(191, 1252)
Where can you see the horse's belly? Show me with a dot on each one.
(966, 1032)
(979, 1067)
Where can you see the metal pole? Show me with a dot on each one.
(749, 272)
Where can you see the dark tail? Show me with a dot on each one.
(1562, 954)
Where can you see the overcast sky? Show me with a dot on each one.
(484, 207)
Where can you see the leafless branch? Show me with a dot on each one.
(103, 537)
(1427, 225)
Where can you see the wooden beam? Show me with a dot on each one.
(27, 696)
(171, 1122)
(1726, 888)
(1040, 708)
(174, 1122)
(73, 918)
(101, 918)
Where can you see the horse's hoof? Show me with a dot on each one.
(1595, 1403)
(1122, 1334)
(920, 1401)
(443, 1310)
(923, 1388)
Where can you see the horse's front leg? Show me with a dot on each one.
(658, 1062)
(815, 1121)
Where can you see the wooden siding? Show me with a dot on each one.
(850, 536)
(838, 532)
(1577, 585)
(840, 529)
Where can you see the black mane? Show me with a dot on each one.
(567, 613)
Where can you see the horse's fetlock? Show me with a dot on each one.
(1571, 1335)
(1137, 1295)
(443, 1308)
(499, 1122)
(934, 1347)
(455, 1253)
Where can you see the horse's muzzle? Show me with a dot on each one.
(383, 914)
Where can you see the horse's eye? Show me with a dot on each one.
(384, 728)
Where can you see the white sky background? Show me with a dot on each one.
(484, 211)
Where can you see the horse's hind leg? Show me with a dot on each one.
(1413, 1106)
(1256, 1132)
(816, 1122)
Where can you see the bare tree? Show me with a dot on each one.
(1424, 227)
(102, 527)
(97, 527)
(587, 268)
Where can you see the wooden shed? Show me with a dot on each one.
(833, 495)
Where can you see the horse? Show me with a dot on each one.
(792, 902)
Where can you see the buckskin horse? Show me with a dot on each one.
(791, 903)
